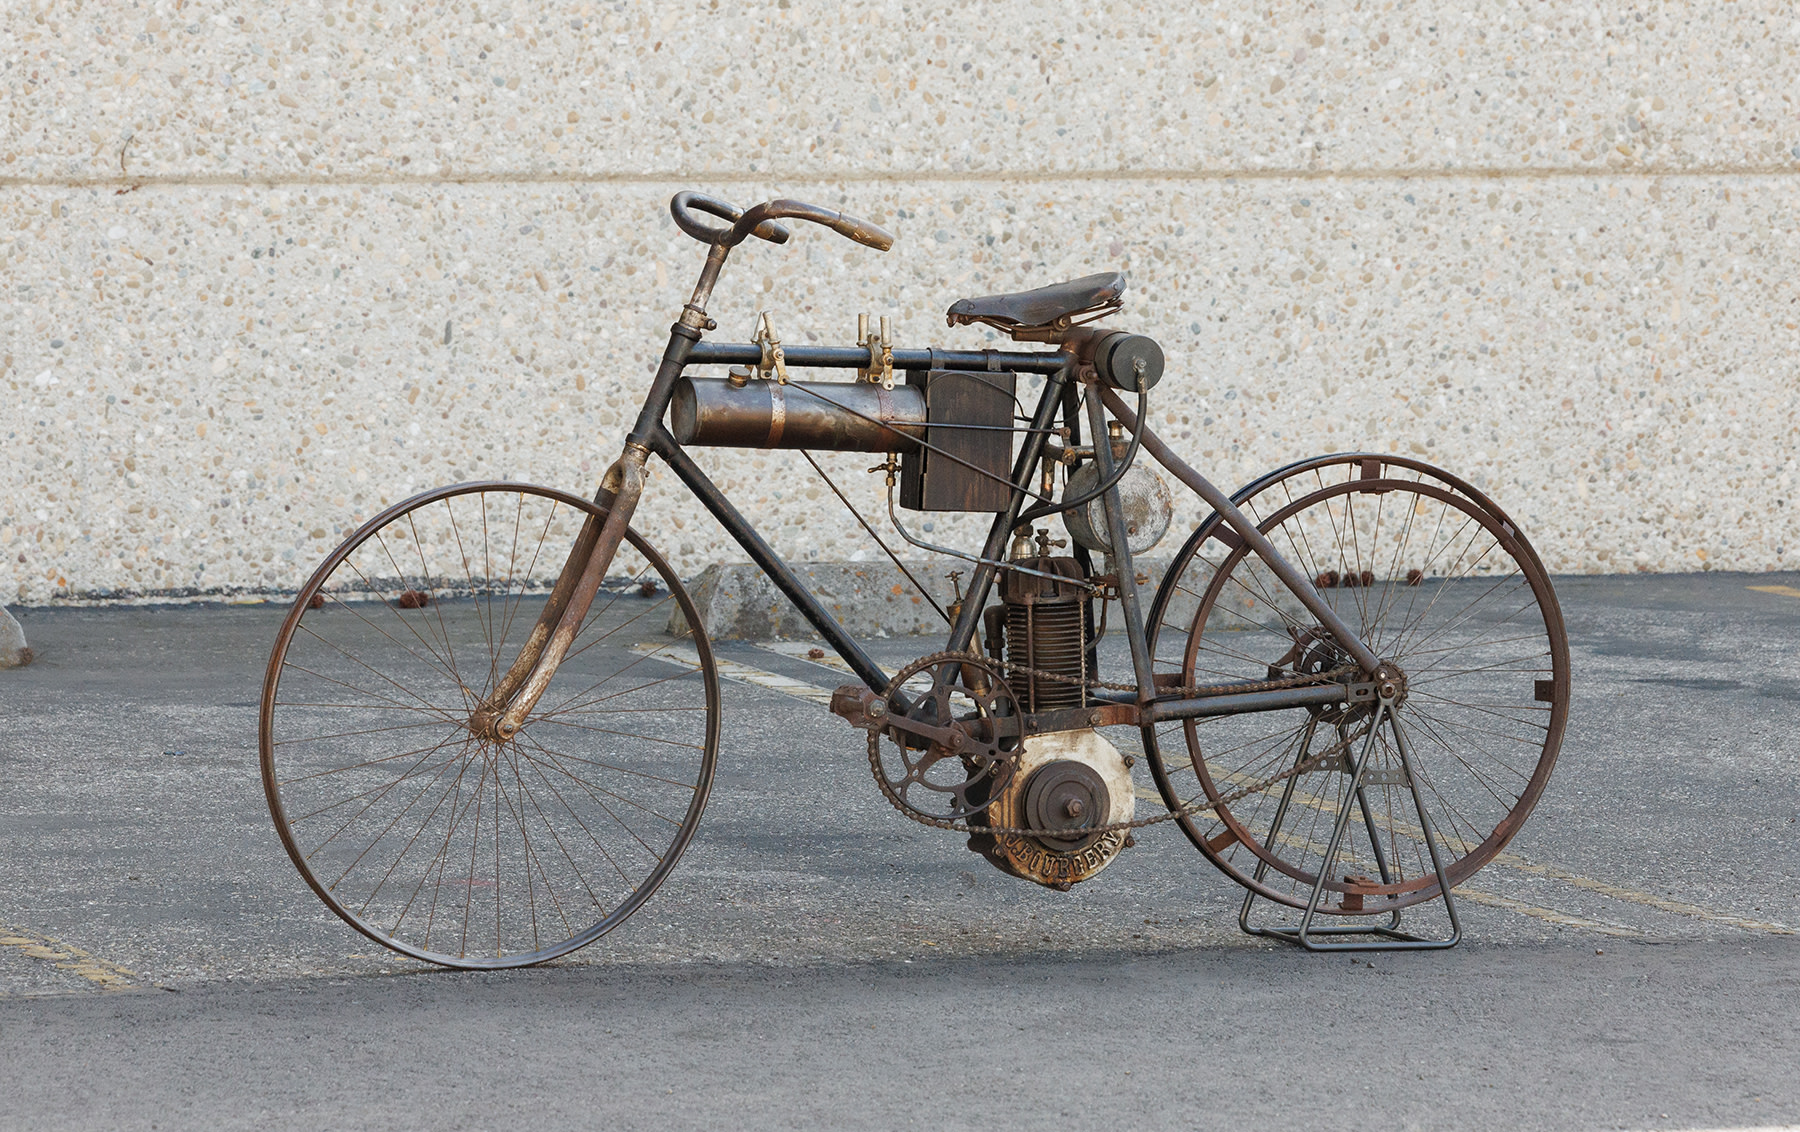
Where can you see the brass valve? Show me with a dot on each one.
(956, 603)
(881, 351)
(774, 359)
(891, 465)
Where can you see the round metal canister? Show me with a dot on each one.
(1128, 361)
(1142, 493)
(834, 416)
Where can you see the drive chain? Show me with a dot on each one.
(1187, 691)
(1188, 809)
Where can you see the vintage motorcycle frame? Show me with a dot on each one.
(1083, 382)
(1063, 370)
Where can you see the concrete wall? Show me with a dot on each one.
(267, 266)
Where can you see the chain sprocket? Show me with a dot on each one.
(1196, 805)
(955, 737)
(957, 823)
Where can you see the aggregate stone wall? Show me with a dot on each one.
(269, 266)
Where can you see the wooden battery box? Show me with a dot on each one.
(969, 417)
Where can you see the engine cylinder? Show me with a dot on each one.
(1049, 636)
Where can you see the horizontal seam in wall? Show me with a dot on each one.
(1484, 173)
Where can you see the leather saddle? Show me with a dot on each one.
(1056, 307)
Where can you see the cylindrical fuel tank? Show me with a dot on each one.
(834, 416)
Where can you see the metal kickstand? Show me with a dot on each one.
(1378, 936)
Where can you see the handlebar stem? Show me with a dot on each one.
(694, 316)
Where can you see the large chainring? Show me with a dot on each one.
(952, 737)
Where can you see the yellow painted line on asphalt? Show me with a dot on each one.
(1648, 900)
(800, 689)
(66, 957)
(1495, 900)
(1473, 895)
(743, 673)
(1784, 591)
(1577, 880)
(801, 650)
(1551, 915)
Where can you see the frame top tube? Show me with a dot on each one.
(857, 357)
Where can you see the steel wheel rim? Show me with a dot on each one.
(1462, 861)
(703, 761)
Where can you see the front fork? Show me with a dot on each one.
(503, 711)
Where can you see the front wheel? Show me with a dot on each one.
(432, 837)
(1437, 580)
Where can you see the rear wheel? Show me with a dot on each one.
(448, 845)
(1437, 580)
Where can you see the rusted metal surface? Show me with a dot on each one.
(1296, 581)
(1482, 662)
(859, 706)
(940, 723)
(760, 221)
(1066, 783)
(500, 719)
(683, 205)
(488, 712)
(1004, 747)
(838, 416)
(363, 802)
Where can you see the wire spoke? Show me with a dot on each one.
(1448, 596)
(419, 827)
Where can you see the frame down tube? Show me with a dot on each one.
(761, 553)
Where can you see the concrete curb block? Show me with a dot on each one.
(14, 652)
(872, 599)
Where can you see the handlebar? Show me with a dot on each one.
(760, 221)
(679, 207)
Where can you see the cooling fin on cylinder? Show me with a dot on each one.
(1047, 621)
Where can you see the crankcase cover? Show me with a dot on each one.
(1066, 782)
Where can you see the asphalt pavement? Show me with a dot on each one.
(816, 960)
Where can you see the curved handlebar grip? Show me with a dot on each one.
(724, 210)
(863, 232)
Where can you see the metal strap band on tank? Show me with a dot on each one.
(777, 412)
